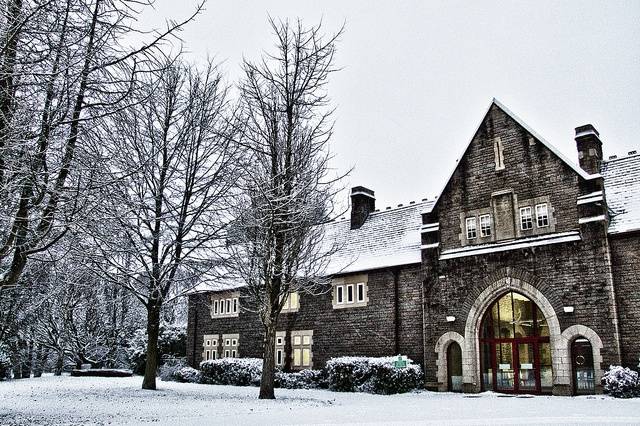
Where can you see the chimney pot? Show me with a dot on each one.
(613, 157)
(363, 202)
(634, 152)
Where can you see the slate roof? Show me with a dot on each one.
(387, 238)
(622, 189)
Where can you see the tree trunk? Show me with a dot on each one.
(268, 364)
(38, 361)
(59, 364)
(153, 330)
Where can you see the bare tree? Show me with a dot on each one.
(277, 243)
(172, 163)
(63, 66)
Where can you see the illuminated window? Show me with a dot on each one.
(301, 344)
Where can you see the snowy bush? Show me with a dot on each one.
(186, 375)
(172, 340)
(373, 375)
(305, 379)
(232, 371)
(621, 382)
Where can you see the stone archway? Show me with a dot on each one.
(441, 363)
(576, 331)
(471, 348)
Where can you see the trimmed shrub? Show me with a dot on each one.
(373, 375)
(305, 379)
(232, 371)
(186, 375)
(621, 382)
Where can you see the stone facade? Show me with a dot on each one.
(584, 280)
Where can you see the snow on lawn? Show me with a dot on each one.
(96, 400)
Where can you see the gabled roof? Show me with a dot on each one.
(529, 129)
(387, 238)
(622, 189)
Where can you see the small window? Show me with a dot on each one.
(471, 228)
(233, 353)
(350, 293)
(215, 307)
(279, 357)
(296, 357)
(526, 221)
(208, 355)
(293, 300)
(297, 340)
(306, 340)
(235, 305)
(215, 354)
(227, 342)
(339, 294)
(226, 354)
(360, 292)
(306, 357)
(228, 306)
(234, 342)
(542, 215)
(222, 307)
(208, 343)
(485, 225)
(279, 341)
(215, 342)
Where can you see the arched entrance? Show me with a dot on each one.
(515, 349)
(454, 367)
(583, 369)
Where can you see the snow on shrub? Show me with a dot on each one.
(232, 371)
(5, 362)
(171, 341)
(186, 375)
(373, 375)
(305, 379)
(621, 382)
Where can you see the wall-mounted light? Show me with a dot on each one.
(568, 309)
(451, 318)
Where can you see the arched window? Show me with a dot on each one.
(515, 352)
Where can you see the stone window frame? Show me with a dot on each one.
(464, 241)
(219, 302)
(288, 306)
(341, 286)
(532, 203)
(498, 153)
(484, 234)
(210, 344)
(305, 344)
(230, 343)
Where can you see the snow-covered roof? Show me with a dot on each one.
(622, 189)
(387, 238)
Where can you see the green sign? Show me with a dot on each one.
(400, 362)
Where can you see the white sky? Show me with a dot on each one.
(417, 76)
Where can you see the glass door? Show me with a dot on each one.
(505, 370)
(527, 371)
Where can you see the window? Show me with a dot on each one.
(231, 342)
(340, 294)
(280, 355)
(471, 228)
(542, 215)
(291, 304)
(301, 343)
(485, 225)
(350, 291)
(210, 346)
(498, 153)
(225, 305)
(526, 221)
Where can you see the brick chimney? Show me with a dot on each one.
(362, 203)
(589, 148)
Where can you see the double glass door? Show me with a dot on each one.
(517, 366)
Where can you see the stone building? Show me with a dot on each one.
(521, 277)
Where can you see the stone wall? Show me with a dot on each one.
(625, 259)
(373, 330)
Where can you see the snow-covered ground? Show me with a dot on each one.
(87, 400)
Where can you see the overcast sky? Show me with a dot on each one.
(417, 76)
